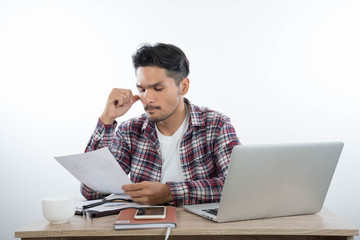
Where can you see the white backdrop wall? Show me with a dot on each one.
(284, 71)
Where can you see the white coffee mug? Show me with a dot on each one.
(58, 209)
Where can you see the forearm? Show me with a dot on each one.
(195, 192)
(90, 194)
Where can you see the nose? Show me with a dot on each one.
(148, 97)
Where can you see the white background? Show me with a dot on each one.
(284, 71)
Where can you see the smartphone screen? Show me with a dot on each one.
(150, 213)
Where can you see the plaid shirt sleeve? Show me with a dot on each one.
(223, 138)
(102, 137)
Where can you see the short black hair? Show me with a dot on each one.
(162, 55)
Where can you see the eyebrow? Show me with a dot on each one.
(150, 86)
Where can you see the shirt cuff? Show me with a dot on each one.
(102, 130)
(179, 192)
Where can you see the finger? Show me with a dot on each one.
(142, 200)
(122, 98)
(135, 98)
(129, 95)
(134, 194)
(132, 187)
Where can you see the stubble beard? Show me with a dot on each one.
(163, 118)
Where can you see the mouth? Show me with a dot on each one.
(151, 108)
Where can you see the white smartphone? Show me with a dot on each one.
(156, 212)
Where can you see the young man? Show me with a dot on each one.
(176, 152)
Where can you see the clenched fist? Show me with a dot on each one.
(118, 103)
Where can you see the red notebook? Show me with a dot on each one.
(126, 220)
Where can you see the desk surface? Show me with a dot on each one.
(325, 223)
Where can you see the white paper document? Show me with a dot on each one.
(98, 169)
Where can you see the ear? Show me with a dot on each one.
(184, 86)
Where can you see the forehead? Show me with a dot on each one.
(152, 75)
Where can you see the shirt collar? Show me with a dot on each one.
(195, 114)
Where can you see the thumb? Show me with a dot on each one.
(135, 98)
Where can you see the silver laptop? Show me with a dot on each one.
(265, 181)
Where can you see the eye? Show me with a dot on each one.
(157, 89)
(141, 90)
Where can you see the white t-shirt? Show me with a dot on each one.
(170, 152)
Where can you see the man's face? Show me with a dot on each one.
(158, 93)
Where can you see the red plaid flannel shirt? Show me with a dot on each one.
(205, 152)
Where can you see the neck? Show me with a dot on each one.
(169, 126)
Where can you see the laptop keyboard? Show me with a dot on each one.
(212, 211)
